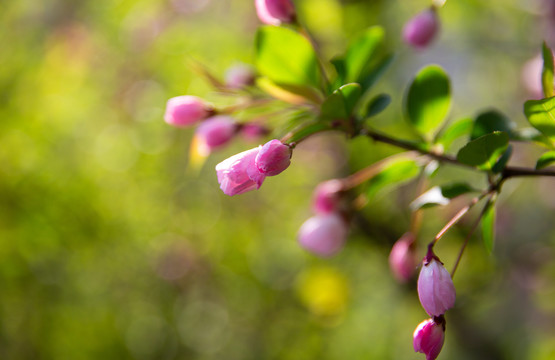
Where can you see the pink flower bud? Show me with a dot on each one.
(323, 235)
(421, 29)
(428, 338)
(402, 260)
(326, 196)
(273, 158)
(239, 76)
(238, 174)
(275, 12)
(215, 132)
(185, 110)
(435, 287)
(253, 132)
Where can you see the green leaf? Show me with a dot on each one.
(454, 131)
(376, 71)
(503, 160)
(488, 225)
(440, 195)
(361, 51)
(428, 100)
(377, 105)
(307, 131)
(541, 114)
(286, 57)
(394, 173)
(293, 94)
(490, 121)
(547, 72)
(341, 103)
(545, 160)
(339, 65)
(484, 151)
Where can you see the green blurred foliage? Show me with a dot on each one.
(111, 248)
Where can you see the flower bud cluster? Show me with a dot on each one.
(325, 233)
(247, 171)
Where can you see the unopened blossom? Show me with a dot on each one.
(275, 12)
(323, 235)
(239, 76)
(326, 196)
(253, 131)
(186, 110)
(238, 174)
(402, 259)
(214, 133)
(435, 287)
(421, 29)
(273, 158)
(429, 336)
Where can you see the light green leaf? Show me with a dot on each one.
(484, 151)
(341, 103)
(428, 100)
(545, 160)
(488, 225)
(286, 57)
(457, 129)
(361, 52)
(541, 114)
(290, 93)
(440, 195)
(547, 71)
(395, 173)
(490, 121)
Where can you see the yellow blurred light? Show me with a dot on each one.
(324, 291)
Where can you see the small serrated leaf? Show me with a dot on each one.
(490, 121)
(377, 105)
(541, 115)
(457, 129)
(547, 71)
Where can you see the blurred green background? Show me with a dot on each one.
(111, 248)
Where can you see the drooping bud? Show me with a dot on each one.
(214, 133)
(273, 158)
(429, 336)
(421, 29)
(435, 287)
(323, 235)
(238, 174)
(185, 110)
(326, 196)
(239, 76)
(402, 259)
(253, 131)
(275, 12)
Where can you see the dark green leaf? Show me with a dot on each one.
(286, 57)
(541, 114)
(395, 173)
(377, 105)
(454, 131)
(490, 121)
(341, 103)
(547, 72)
(484, 151)
(361, 51)
(503, 160)
(376, 71)
(440, 195)
(545, 160)
(428, 100)
(339, 65)
(488, 225)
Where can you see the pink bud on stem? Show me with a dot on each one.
(421, 29)
(275, 12)
(186, 110)
(323, 235)
(215, 132)
(429, 336)
(326, 196)
(273, 158)
(402, 259)
(435, 286)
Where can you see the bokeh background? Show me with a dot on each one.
(112, 247)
